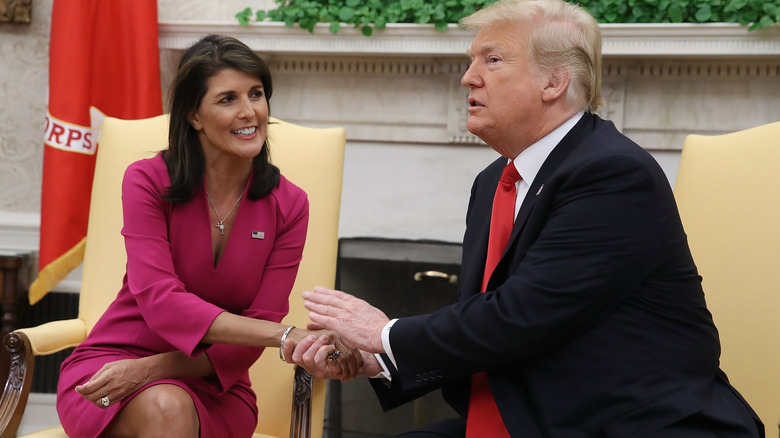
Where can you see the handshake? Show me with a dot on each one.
(343, 337)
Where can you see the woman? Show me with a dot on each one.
(158, 361)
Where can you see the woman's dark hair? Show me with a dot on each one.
(184, 156)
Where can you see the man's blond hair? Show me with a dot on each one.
(563, 36)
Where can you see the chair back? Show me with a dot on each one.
(121, 143)
(728, 191)
(311, 158)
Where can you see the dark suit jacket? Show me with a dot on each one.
(594, 322)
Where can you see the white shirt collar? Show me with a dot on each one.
(531, 159)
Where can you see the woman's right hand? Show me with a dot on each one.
(324, 354)
(115, 381)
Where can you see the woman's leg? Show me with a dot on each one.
(163, 410)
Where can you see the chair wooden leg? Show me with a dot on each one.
(17, 387)
(300, 424)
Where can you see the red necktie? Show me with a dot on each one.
(483, 419)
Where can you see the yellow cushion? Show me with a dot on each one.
(728, 190)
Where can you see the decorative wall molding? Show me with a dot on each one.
(636, 40)
(688, 40)
(19, 231)
(720, 69)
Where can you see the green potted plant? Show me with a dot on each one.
(368, 15)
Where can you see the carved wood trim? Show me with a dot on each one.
(300, 423)
(17, 386)
(16, 11)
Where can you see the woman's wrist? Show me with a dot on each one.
(286, 333)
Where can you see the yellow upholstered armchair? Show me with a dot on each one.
(728, 191)
(311, 158)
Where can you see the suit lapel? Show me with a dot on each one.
(551, 164)
(484, 200)
(479, 228)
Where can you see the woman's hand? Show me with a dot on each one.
(115, 381)
(324, 354)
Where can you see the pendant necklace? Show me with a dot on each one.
(220, 225)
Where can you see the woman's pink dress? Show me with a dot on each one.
(172, 292)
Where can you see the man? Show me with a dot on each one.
(592, 323)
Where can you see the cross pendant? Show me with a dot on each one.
(221, 227)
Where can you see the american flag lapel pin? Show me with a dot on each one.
(258, 234)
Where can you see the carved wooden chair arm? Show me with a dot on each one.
(22, 346)
(300, 422)
(17, 386)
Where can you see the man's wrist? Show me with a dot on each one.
(386, 341)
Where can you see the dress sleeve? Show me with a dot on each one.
(151, 277)
(271, 303)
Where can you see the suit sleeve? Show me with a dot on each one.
(595, 233)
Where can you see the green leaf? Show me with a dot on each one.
(735, 5)
(346, 13)
(308, 23)
(375, 14)
(243, 16)
(675, 13)
(704, 13)
(335, 26)
(763, 23)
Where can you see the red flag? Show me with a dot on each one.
(103, 60)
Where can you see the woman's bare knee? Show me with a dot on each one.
(158, 411)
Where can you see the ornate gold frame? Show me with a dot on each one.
(15, 11)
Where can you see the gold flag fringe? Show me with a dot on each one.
(54, 272)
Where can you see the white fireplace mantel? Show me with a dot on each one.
(619, 40)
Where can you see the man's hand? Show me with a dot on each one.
(324, 354)
(355, 320)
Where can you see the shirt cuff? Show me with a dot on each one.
(385, 373)
(386, 343)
